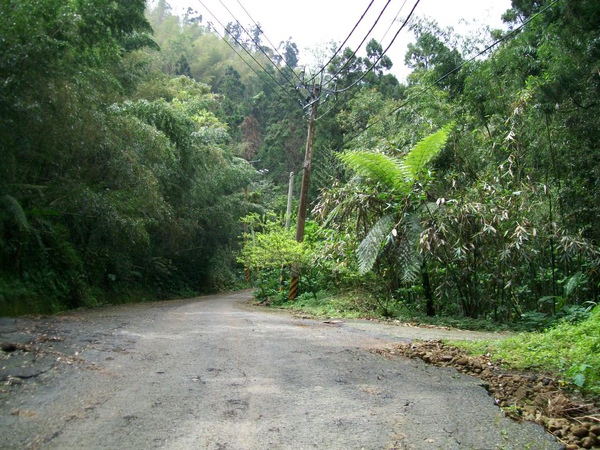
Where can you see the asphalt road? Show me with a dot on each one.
(212, 373)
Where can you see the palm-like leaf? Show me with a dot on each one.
(410, 260)
(425, 150)
(399, 176)
(369, 248)
(379, 168)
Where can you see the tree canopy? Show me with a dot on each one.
(134, 141)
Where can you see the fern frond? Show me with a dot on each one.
(396, 174)
(11, 209)
(412, 224)
(379, 168)
(425, 150)
(369, 248)
(409, 261)
(411, 257)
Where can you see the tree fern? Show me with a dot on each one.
(379, 168)
(369, 248)
(425, 150)
(399, 175)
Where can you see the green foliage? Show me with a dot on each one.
(324, 305)
(370, 246)
(398, 231)
(416, 160)
(434, 56)
(572, 350)
(380, 168)
(15, 231)
(398, 175)
(269, 245)
(116, 181)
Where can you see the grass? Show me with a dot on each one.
(348, 306)
(354, 305)
(570, 350)
(461, 323)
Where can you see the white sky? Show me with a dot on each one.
(314, 23)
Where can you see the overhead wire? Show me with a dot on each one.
(378, 59)
(362, 42)
(328, 111)
(270, 43)
(342, 44)
(382, 53)
(248, 64)
(249, 54)
(447, 74)
(258, 46)
(393, 21)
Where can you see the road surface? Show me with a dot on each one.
(215, 373)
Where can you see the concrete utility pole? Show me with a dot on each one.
(302, 207)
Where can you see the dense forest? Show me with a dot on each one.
(146, 156)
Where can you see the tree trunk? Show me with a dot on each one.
(427, 290)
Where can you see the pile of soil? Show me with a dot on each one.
(540, 398)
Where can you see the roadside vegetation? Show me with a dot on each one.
(571, 350)
(143, 157)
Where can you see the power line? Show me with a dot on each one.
(393, 21)
(246, 62)
(378, 59)
(447, 74)
(246, 50)
(384, 52)
(328, 111)
(362, 42)
(342, 44)
(258, 46)
(269, 41)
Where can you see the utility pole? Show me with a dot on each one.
(307, 164)
(302, 206)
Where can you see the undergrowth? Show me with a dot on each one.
(461, 323)
(570, 350)
(323, 304)
(362, 304)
